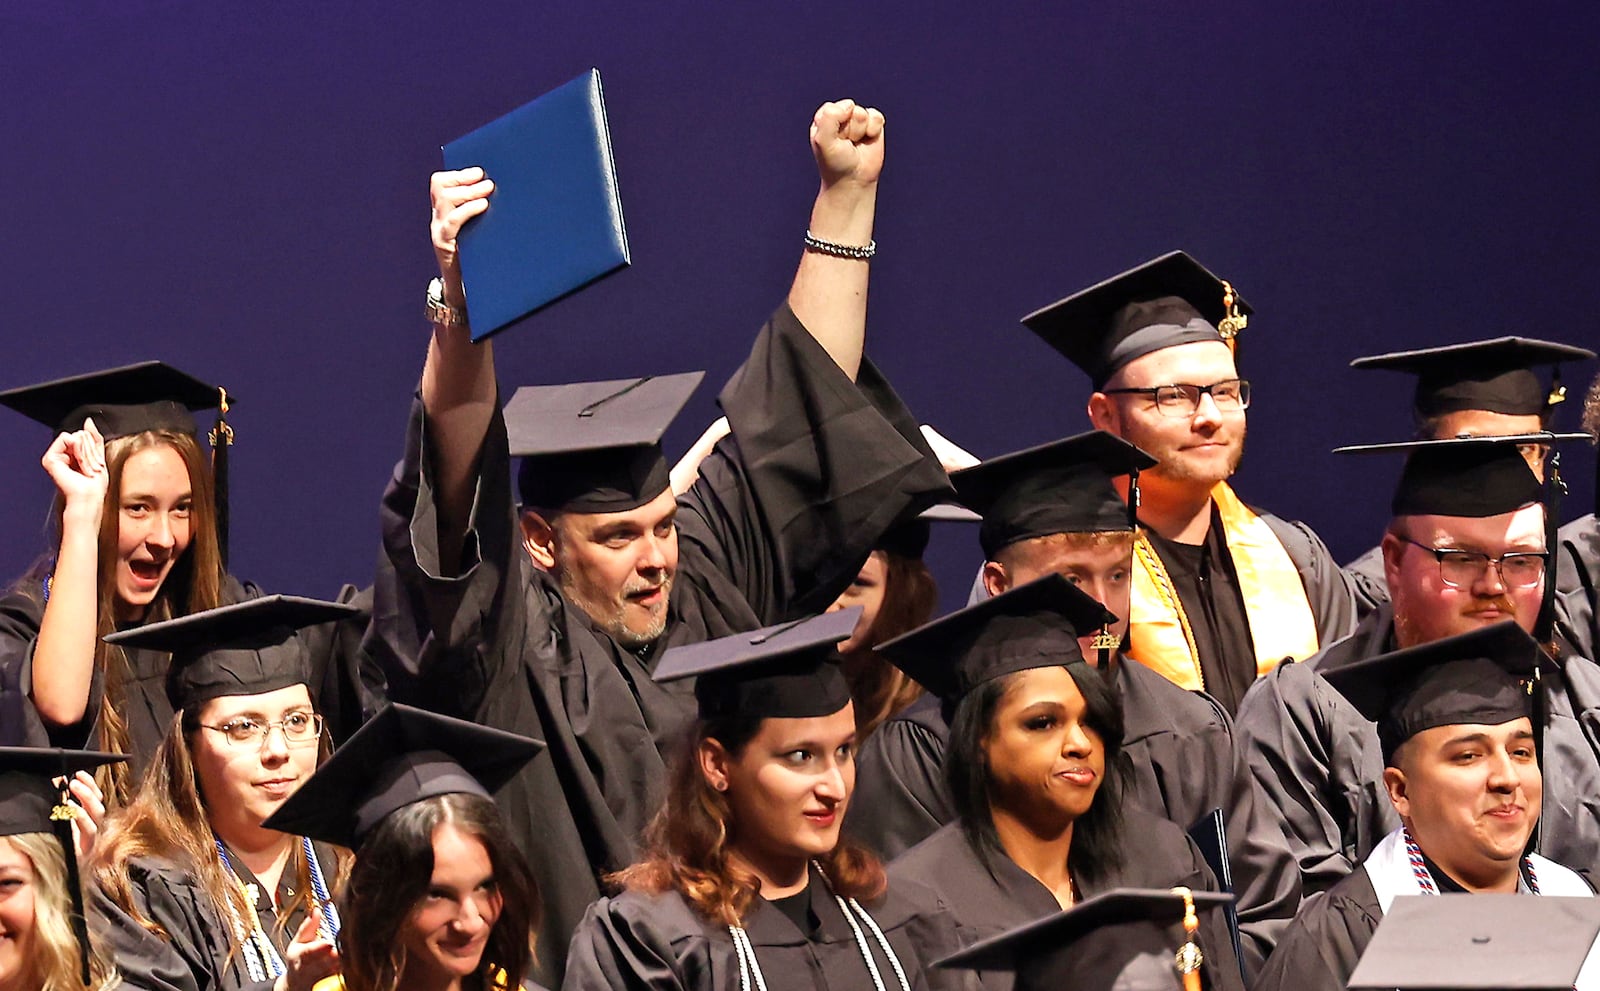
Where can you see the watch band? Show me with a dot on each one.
(439, 311)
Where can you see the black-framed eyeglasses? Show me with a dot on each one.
(299, 729)
(1182, 399)
(1460, 569)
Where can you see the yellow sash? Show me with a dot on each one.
(1280, 618)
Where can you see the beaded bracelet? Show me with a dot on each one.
(857, 251)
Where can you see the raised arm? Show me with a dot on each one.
(829, 294)
(63, 657)
(458, 385)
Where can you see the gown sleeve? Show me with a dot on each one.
(816, 469)
(620, 946)
(904, 799)
(1578, 585)
(1320, 950)
(21, 613)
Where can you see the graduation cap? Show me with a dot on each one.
(1060, 487)
(1125, 939)
(909, 538)
(1464, 476)
(1496, 375)
(1481, 678)
(1467, 942)
(1165, 302)
(31, 802)
(400, 756)
(247, 648)
(595, 447)
(150, 395)
(1035, 625)
(787, 671)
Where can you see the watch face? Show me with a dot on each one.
(436, 291)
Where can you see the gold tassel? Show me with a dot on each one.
(1189, 958)
(1232, 321)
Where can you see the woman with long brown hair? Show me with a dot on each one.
(745, 882)
(439, 898)
(136, 541)
(191, 889)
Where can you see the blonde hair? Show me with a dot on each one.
(195, 583)
(54, 963)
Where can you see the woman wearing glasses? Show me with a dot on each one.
(191, 891)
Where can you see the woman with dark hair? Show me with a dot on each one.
(191, 889)
(439, 898)
(745, 883)
(1035, 776)
(136, 541)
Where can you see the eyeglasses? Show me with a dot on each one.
(1180, 399)
(1460, 569)
(300, 729)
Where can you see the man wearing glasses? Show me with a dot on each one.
(1464, 549)
(1222, 591)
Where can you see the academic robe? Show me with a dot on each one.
(784, 511)
(196, 955)
(944, 872)
(1320, 950)
(1207, 584)
(1578, 585)
(1180, 760)
(344, 687)
(1368, 582)
(1319, 762)
(642, 942)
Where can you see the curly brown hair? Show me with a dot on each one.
(687, 843)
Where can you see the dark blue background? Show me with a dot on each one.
(241, 189)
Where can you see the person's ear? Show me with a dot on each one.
(1394, 781)
(1103, 413)
(995, 579)
(539, 539)
(714, 760)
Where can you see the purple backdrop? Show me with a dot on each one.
(240, 189)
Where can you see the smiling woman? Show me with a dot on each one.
(190, 885)
(137, 542)
(746, 882)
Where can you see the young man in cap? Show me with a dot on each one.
(549, 623)
(1486, 388)
(1222, 592)
(1578, 562)
(1054, 509)
(1455, 718)
(1465, 548)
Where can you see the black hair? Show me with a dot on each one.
(1095, 848)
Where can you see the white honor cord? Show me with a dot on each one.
(883, 941)
(747, 960)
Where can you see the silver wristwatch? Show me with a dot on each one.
(439, 311)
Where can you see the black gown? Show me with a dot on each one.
(945, 873)
(196, 955)
(1319, 762)
(641, 942)
(344, 686)
(1180, 761)
(1320, 951)
(1578, 585)
(1207, 586)
(784, 512)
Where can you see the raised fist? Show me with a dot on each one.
(847, 140)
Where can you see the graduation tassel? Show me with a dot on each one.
(1189, 958)
(221, 438)
(61, 818)
(1232, 321)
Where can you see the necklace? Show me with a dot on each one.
(750, 967)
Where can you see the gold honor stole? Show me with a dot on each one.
(1275, 605)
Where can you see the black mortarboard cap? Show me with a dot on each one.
(400, 756)
(1165, 302)
(1488, 941)
(1471, 678)
(1126, 939)
(1060, 487)
(31, 802)
(787, 671)
(1496, 375)
(909, 538)
(128, 400)
(1464, 476)
(1031, 626)
(595, 447)
(247, 648)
